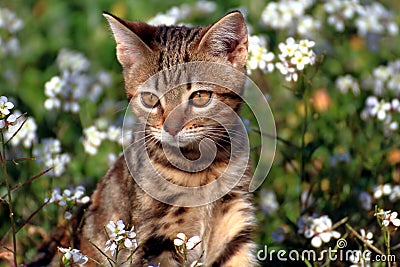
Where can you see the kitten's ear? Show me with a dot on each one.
(228, 37)
(130, 47)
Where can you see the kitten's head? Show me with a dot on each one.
(177, 113)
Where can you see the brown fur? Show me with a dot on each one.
(226, 224)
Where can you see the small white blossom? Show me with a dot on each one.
(184, 243)
(26, 133)
(367, 236)
(390, 217)
(347, 83)
(395, 194)
(92, 139)
(382, 190)
(5, 106)
(73, 256)
(114, 134)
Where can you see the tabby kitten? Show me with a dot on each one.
(172, 123)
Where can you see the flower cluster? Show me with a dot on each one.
(118, 236)
(176, 14)
(49, 152)
(281, 15)
(93, 138)
(10, 24)
(383, 111)
(74, 83)
(319, 229)
(294, 57)
(71, 256)
(387, 190)
(375, 18)
(68, 199)
(259, 57)
(385, 79)
(341, 11)
(18, 129)
(299, 16)
(22, 131)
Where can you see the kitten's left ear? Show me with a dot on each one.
(228, 38)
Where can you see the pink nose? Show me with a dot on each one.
(172, 130)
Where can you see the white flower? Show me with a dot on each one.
(395, 194)
(380, 110)
(289, 48)
(382, 190)
(73, 255)
(346, 83)
(72, 61)
(319, 229)
(300, 60)
(390, 217)
(182, 241)
(5, 106)
(114, 134)
(26, 134)
(54, 87)
(92, 139)
(366, 236)
(111, 246)
(118, 235)
(192, 242)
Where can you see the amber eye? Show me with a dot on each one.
(200, 98)
(149, 100)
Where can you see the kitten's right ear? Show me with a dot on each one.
(130, 48)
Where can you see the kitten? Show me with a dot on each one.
(172, 124)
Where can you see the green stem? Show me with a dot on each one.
(303, 134)
(388, 245)
(10, 202)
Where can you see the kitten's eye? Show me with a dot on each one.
(200, 98)
(149, 100)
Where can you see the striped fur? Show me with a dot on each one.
(225, 225)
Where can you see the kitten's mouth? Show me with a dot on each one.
(178, 140)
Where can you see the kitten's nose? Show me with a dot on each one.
(171, 130)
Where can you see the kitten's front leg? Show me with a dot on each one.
(230, 243)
